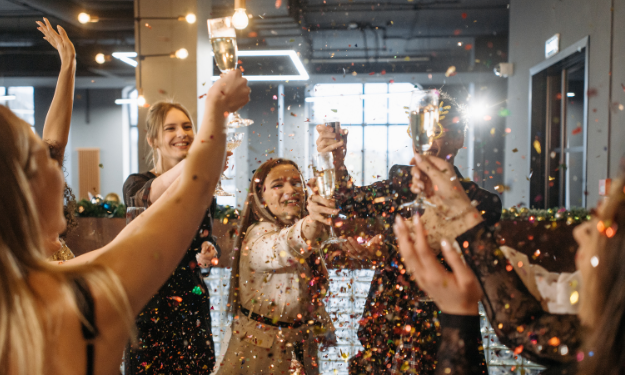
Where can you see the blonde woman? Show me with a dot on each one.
(177, 318)
(277, 285)
(77, 319)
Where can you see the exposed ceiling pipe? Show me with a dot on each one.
(68, 11)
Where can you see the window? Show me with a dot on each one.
(20, 100)
(130, 137)
(378, 136)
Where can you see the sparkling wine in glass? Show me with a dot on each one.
(424, 129)
(233, 141)
(224, 41)
(325, 173)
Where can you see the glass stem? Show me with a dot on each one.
(332, 234)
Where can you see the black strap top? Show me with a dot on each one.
(86, 305)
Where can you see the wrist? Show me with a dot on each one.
(68, 63)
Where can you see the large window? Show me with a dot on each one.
(376, 116)
(21, 100)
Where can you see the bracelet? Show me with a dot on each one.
(473, 205)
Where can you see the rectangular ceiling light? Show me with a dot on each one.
(303, 76)
(126, 57)
(312, 99)
(7, 97)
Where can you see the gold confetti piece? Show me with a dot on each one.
(451, 71)
(574, 297)
(515, 150)
(537, 146)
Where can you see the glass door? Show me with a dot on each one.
(558, 134)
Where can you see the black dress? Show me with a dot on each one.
(174, 328)
(551, 340)
(398, 331)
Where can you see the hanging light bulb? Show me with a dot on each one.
(239, 18)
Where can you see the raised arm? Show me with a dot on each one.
(516, 315)
(58, 119)
(145, 253)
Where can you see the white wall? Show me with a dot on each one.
(99, 126)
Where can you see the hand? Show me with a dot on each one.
(318, 207)
(456, 292)
(207, 257)
(443, 189)
(329, 141)
(59, 40)
(228, 155)
(373, 249)
(231, 91)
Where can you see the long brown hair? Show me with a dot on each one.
(24, 319)
(255, 210)
(154, 126)
(603, 347)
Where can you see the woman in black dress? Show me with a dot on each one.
(174, 328)
(556, 341)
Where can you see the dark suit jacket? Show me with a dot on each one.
(393, 300)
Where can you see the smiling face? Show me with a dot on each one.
(174, 139)
(283, 193)
(47, 187)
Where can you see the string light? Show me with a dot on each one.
(239, 18)
(100, 58)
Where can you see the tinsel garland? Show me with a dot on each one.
(572, 216)
(226, 213)
(102, 209)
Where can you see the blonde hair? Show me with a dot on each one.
(154, 126)
(24, 324)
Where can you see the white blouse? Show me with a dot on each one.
(557, 292)
(273, 272)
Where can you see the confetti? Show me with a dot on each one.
(451, 71)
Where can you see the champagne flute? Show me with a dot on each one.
(132, 212)
(424, 129)
(325, 173)
(233, 141)
(224, 41)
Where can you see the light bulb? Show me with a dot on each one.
(182, 53)
(190, 18)
(239, 19)
(140, 100)
(84, 18)
(100, 58)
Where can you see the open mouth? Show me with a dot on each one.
(291, 202)
(432, 152)
(181, 144)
